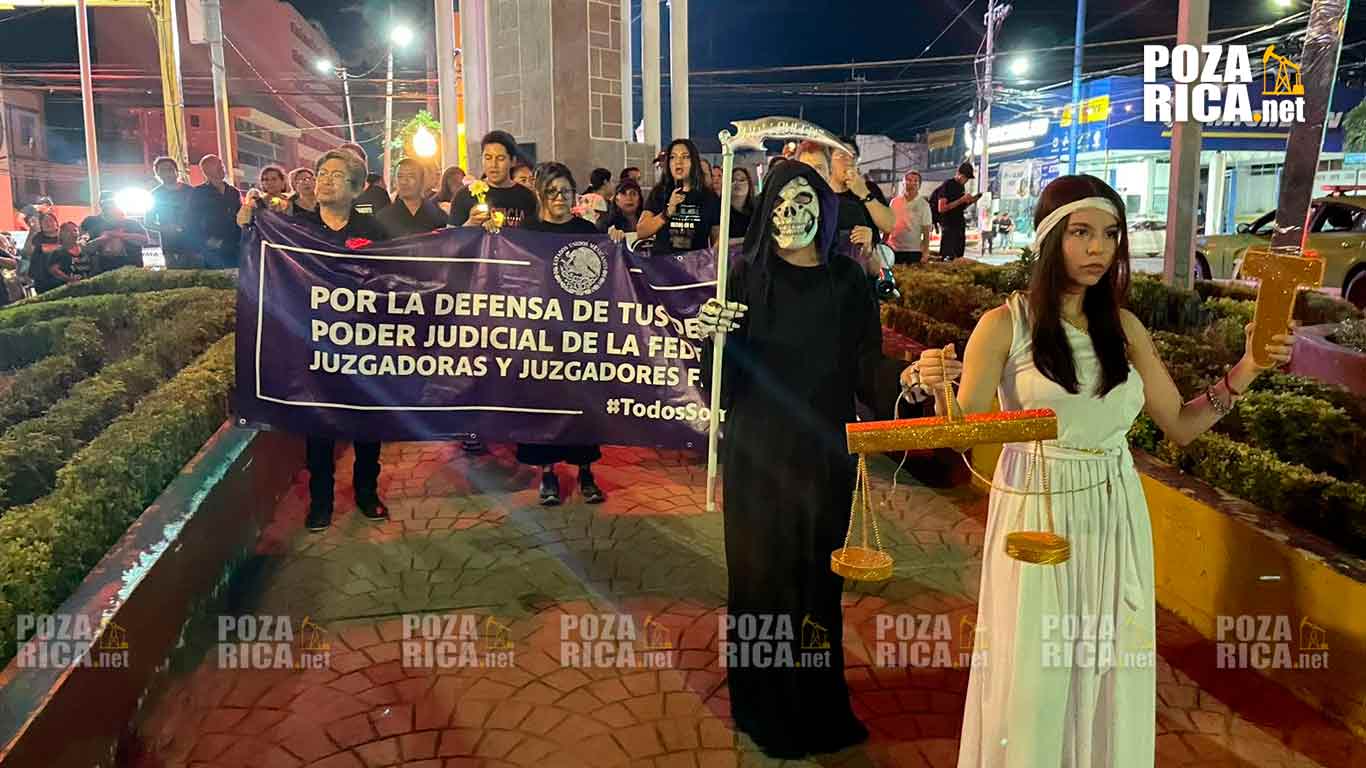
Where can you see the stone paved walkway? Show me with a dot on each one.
(467, 540)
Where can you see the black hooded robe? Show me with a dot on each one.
(810, 344)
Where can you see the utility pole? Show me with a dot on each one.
(213, 35)
(995, 15)
(1074, 132)
(858, 103)
(346, 91)
(1192, 27)
(172, 94)
(92, 154)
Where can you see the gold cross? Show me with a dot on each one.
(1281, 275)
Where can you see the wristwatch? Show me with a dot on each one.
(870, 197)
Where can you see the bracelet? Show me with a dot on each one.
(1227, 385)
(1219, 408)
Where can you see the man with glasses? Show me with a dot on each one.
(411, 212)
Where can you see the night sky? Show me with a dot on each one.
(725, 34)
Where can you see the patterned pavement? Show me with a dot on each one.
(528, 593)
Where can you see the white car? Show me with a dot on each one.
(1147, 237)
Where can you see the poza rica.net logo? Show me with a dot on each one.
(1212, 84)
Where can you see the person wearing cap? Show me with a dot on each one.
(953, 223)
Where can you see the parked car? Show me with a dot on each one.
(1337, 232)
(1147, 237)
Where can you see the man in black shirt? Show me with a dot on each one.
(375, 198)
(340, 177)
(864, 216)
(169, 215)
(411, 213)
(115, 240)
(514, 201)
(953, 224)
(213, 207)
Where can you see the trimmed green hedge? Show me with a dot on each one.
(33, 451)
(48, 547)
(923, 328)
(80, 353)
(138, 280)
(24, 346)
(110, 313)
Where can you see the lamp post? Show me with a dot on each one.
(400, 36)
(328, 68)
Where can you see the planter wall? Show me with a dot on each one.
(1319, 358)
(1220, 556)
(147, 584)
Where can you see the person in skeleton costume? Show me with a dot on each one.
(803, 342)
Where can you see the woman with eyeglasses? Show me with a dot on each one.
(302, 198)
(555, 190)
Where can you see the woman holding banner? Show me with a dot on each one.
(555, 192)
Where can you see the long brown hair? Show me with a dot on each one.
(1101, 302)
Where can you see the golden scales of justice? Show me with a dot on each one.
(862, 562)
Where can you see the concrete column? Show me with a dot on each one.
(92, 154)
(628, 103)
(474, 64)
(649, 70)
(1214, 197)
(445, 83)
(1192, 27)
(678, 67)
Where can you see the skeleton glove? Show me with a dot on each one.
(720, 317)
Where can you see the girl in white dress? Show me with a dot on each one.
(1068, 677)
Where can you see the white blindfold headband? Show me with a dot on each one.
(1056, 217)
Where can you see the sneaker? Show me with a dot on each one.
(550, 490)
(592, 494)
(319, 518)
(373, 509)
(474, 447)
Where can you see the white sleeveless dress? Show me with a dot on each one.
(1068, 674)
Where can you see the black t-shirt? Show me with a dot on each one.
(575, 226)
(948, 192)
(358, 225)
(215, 219)
(170, 215)
(397, 221)
(41, 271)
(689, 229)
(517, 203)
(371, 201)
(130, 256)
(739, 224)
(854, 212)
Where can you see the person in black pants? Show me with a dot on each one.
(953, 224)
(555, 187)
(340, 178)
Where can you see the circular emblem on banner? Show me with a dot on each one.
(580, 268)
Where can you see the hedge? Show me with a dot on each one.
(1311, 307)
(24, 346)
(33, 451)
(36, 387)
(129, 280)
(110, 313)
(923, 328)
(48, 547)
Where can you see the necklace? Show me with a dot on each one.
(1075, 324)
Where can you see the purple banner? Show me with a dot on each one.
(517, 336)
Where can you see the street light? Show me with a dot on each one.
(1019, 66)
(424, 142)
(400, 35)
(326, 67)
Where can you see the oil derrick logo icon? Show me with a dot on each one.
(313, 638)
(113, 638)
(657, 636)
(971, 636)
(1312, 636)
(497, 636)
(1280, 75)
(814, 636)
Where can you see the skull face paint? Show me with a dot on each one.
(796, 215)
